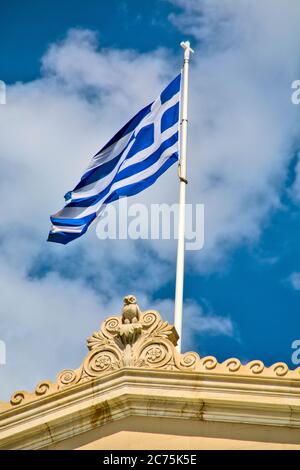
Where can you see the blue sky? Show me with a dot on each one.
(27, 29)
(243, 289)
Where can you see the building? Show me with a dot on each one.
(134, 390)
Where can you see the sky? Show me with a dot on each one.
(75, 73)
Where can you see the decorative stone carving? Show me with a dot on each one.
(43, 388)
(138, 339)
(131, 312)
(133, 339)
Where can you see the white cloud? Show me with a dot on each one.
(294, 280)
(242, 129)
(196, 321)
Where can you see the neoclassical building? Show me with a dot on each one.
(134, 390)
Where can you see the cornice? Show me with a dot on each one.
(150, 393)
(149, 343)
(134, 368)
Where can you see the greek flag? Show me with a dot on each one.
(129, 163)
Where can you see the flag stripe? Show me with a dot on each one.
(169, 118)
(147, 162)
(129, 163)
(103, 170)
(70, 214)
(129, 190)
(101, 184)
(157, 110)
(129, 127)
(171, 89)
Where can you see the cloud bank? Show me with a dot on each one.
(243, 131)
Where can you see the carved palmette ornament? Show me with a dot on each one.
(149, 343)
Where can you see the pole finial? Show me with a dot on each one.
(187, 46)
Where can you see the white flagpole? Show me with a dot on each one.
(182, 189)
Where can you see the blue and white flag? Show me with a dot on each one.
(130, 162)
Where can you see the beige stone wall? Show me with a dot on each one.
(136, 433)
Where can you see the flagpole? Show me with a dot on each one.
(182, 191)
